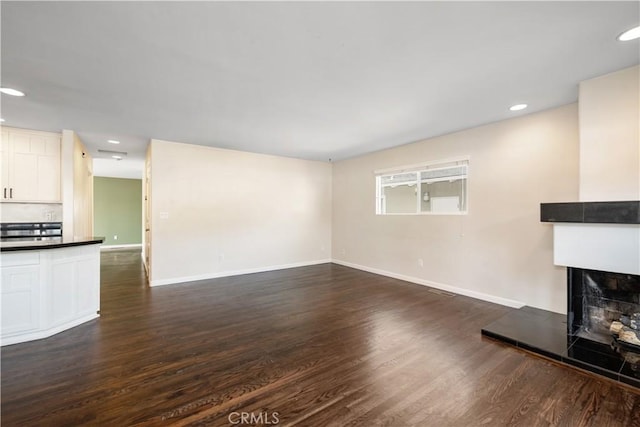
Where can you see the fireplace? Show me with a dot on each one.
(599, 244)
(604, 307)
(599, 298)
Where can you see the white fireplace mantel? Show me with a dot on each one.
(604, 247)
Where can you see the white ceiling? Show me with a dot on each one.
(320, 81)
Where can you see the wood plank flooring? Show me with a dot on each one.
(320, 346)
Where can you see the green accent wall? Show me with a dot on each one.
(117, 210)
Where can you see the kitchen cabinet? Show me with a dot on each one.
(30, 166)
(74, 292)
(48, 290)
(20, 293)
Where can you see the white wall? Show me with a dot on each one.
(218, 212)
(77, 187)
(66, 179)
(146, 212)
(83, 190)
(499, 251)
(610, 137)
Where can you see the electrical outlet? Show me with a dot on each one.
(343, 251)
(221, 257)
(48, 216)
(420, 262)
(115, 237)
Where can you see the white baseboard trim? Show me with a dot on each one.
(16, 339)
(130, 246)
(448, 288)
(220, 274)
(453, 289)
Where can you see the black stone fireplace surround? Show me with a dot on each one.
(582, 338)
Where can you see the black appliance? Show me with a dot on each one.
(15, 231)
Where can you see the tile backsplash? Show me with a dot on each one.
(30, 212)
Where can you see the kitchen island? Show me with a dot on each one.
(48, 286)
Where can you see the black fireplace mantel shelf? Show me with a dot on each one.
(626, 212)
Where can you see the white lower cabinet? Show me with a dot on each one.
(20, 294)
(48, 291)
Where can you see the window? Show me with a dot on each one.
(434, 188)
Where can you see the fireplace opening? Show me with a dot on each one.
(604, 307)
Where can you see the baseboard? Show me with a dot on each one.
(129, 246)
(453, 289)
(218, 275)
(37, 335)
(441, 286)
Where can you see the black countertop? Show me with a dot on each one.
(36, 244)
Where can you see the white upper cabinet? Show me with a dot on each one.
(30, 166)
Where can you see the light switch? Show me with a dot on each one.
(164, 215)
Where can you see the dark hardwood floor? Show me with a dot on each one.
(320, 346)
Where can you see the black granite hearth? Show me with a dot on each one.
(545, 333)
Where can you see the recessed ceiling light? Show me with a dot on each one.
(12, 92)
(631, 34)
(518, 107)
(117, 157)
(113, 141)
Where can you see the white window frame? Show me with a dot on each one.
(418, 168)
